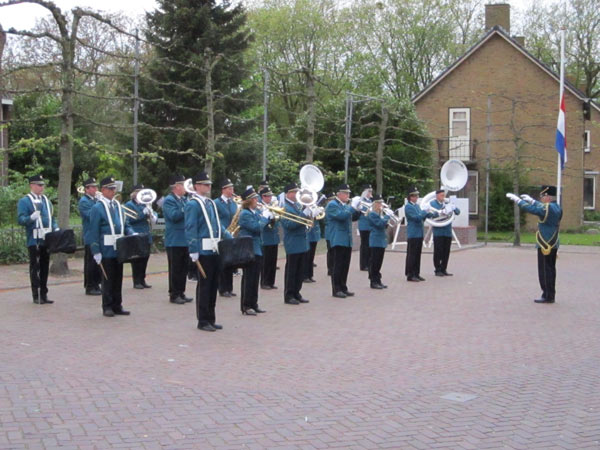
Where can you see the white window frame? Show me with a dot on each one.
(591, 175)
(476, 211)
(467, 143)
(587, 141)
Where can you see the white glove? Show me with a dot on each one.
(35, 216)
(97, 257)
(512, 197)
(425, 207)
(267, 214)
(56, 229)
(355, 202)
(148, 211)
(194, 256)
(527, 198)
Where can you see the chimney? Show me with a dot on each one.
(497, 15)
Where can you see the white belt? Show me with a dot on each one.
(210, 244)
(110, 240)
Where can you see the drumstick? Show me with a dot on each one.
(201, 269)
(103, 271)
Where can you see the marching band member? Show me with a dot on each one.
(547, 242)
(203, 231)
(314, 236)
(34, 212)
(415, 216)
(107, 224)
(442, 236)
(92, 277)
(328, 239)
(141, 225)
(175, 241)
(296, 246)
(340, 216)
(378, 223)
(252, 222)
(226, 208)
(270, 245)
(364, 230)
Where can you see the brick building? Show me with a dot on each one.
(499, 81)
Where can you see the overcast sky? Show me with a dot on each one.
(23, 16)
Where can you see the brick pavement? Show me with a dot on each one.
(364, 372)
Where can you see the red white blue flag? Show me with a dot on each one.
(561, 134)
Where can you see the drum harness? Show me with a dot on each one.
(39, 232)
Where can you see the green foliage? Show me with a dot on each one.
(501, 214)
(13, 249)
(17, 188)
(591, 215)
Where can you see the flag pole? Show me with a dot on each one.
(560, 100)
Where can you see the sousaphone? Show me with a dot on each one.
(454, 176)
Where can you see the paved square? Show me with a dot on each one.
(363, 372)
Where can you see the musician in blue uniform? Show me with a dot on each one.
(270, 245)
(442, 236)
(547, 242)
(252, 222)
(91, 272)
(340, 216)
(226, 208)
(34, 212)
(203, 231)
(378, 223)
(364, 229)
(415, 216)
(328, 239)
(296, 245)
(107, 224)
(175, 241)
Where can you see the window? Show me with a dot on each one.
(471, 191)
(589, 190)
(459, 133)
(587, 138)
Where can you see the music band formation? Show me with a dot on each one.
(209, 240)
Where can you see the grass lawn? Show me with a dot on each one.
(529, 238)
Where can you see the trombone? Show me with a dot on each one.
(280, 213)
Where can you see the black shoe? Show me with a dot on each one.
(273, 286)
(267, 288)
(259, 311)
(439, 274)
(446, 274)
(108, 313)
(207, 327)
(420, 278)
(543, 300)
(349, 294)
(314, 265)
(121, 312)
(225, 294)
(232, 294)
(216, 326)
(94, 291)
(177, 300)
(364, 270)
(309, 280)
(302, 300)
(146, 285)
(291, 301)
(248, 312)
(384, 286)
(45, 301)
(376, 286)
(412, 279)
(339, 294)
(186, 299)
(138, 286)
(37, 301)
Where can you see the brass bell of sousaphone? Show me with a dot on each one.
(311, 182)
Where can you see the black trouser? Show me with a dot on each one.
(441, 252)
(329, 259)
(341, 264)
(178, 258)
(269, 265)
(250, 279)
(39, 262)
(309, 259)
(92, 275)
(192, 271)
(226, 281)
(206, 290)
(138, 270)
(294, 275)
(413, 257)
(375, 263)
(547, 273)
(112, 285)
(364, 249)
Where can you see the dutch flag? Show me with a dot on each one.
(561, 135)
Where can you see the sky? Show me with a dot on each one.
(23, 16)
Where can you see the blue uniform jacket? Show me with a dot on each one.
(294, 234)
(197, 229)
(141, 224)
(414, 220)
(363, 221)
(442, 231)
(378, 226)
(327, 228)
(85, 210)
(174, 212)
(25, 209)
(226, 211)
(314, 234)
(270, 233)
(340, 223)
(550, 215)
(99, 227)
(251, 224)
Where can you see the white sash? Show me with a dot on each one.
(39, 232)
(211, 244)
(111, 239)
